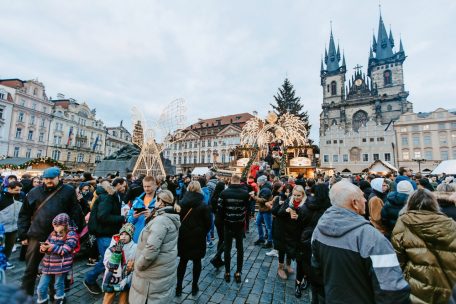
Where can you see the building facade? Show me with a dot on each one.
(6, 110)
(116, 138)
(426, 139)
(356, 119)
(77, 137)
(30, 119)
(207, 143)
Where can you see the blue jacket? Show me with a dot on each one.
(139, 222)
(401, 178)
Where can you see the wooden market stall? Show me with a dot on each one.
(33, 166)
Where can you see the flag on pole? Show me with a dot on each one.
(95, 144)
(70, 136)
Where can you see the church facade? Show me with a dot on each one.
(356, 122)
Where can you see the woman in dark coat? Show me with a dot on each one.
(277, 231)
(291, 229)
(446, 198)
(195, 224)
(309, 214)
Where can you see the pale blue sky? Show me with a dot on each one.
(223, 57)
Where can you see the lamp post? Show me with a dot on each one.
(419, 161)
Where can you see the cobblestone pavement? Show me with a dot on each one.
(260, 282)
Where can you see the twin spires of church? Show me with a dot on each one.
(380, 51)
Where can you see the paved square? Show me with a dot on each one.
(260, 282)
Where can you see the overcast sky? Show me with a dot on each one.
(222, 57)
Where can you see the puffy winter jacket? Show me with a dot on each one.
(354, 261)
(234, 204)
(154, 278)
(425, 243)
(10, 206)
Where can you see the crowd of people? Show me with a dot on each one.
(358, 239)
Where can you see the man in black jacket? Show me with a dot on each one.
(41, 205)
(107, 220)
(352, 260)
(235, 200)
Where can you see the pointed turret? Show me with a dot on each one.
(374, 42)
(338, 53)
(371, 55)
(322, 66)
(383, 47)
(332, 63)
(343, 60)
(326, 56)
(401, 47)
(391, 39)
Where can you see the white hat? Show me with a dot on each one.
(405, 187)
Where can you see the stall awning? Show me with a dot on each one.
(200, 170)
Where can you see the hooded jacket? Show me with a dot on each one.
(447, 204)
(234, 204)
(375, 204)
(394, 203)
(425, 243)
(154, 278)
(193, 230)
(355, 262)
(106, 212)
(401, 178)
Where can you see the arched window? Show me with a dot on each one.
(359, 119)
(387, 77)
(334, 122)
(333, 88)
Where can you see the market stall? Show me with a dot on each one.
(21, 165)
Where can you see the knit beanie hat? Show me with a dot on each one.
(128, 228)
(61, 220)
(405, 187)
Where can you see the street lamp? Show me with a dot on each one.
(419, 161)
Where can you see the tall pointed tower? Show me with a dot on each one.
(385, 66)
(332, 74)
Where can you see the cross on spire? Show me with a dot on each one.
(357, 68)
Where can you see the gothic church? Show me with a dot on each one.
(356, 119)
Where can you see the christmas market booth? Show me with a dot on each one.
(21, 165)
(380, 167)
(301, 165)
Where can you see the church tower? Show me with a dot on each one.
(332, 74)
(385, 67)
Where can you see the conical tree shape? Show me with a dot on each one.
(286, 101)
(149, 161)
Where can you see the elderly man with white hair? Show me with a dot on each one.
(352, 260)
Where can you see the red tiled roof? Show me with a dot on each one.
(240, 119)
(12, 83)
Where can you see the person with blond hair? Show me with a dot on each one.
(191, 245)
(154, 276)
(425, 243)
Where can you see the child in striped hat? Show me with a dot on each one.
(58, 258)
(118, 261)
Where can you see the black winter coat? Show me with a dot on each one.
(289, 230)
(277, 223)
(234, 202)
(107, 213)
(394, 203)
(193, 230)
(447, 206)
(64, 201)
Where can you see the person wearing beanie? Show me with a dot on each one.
(394, 203)
(119, 262)
(376, 202)
(58, 258)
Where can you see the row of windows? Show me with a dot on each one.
(341, 141)
(204, 143)
(29, 135)
(428, 155)
(440, 126)
(179, 160)
(34, 105)
(56, 154)
(21, 118)
(365, 157)
(427, 139)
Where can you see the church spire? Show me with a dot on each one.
(332, 58)
(391, 39)
(401, 47)
(382, 47)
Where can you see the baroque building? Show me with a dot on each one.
(30, 119)
(77, 137)
(207, 143)
(426, 139)
(356, 122)
(6, 108)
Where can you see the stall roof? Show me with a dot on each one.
(446, 166)
(16, 161)
(381, 166)
(200, 170)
